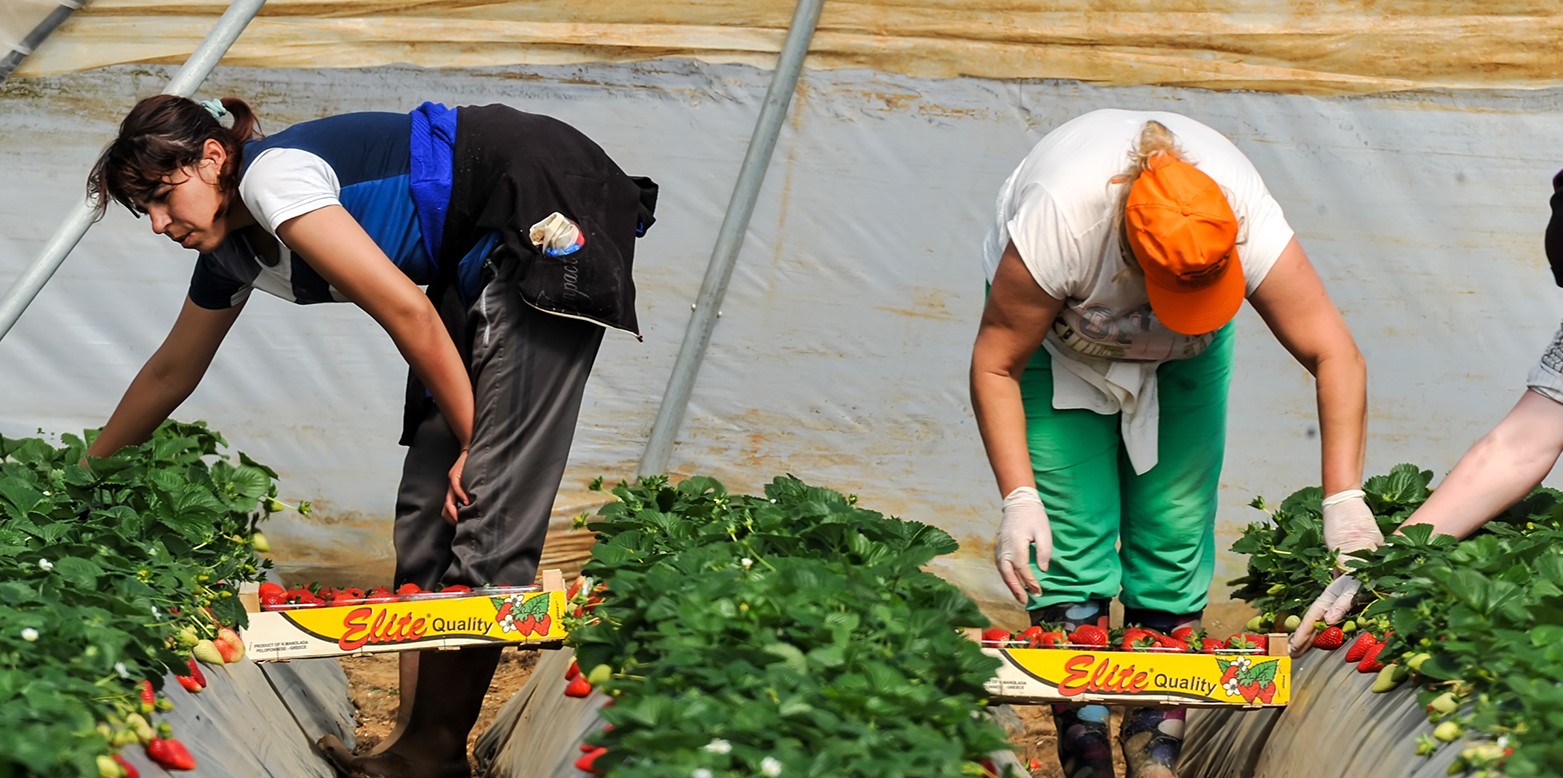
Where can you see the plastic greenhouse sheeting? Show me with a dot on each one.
(257, 721)
(843, 344)
(1264, 45)
(1335, 727)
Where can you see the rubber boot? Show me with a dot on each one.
(1084, 744)
(449, 696)
(407, 691)
(1152, 738)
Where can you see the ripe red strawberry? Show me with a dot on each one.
(572, 671)
(271, 594)
(409, 588)
(1360, 647)
(1030, 635)
(1052, 639)
(195, 672)
(1134, 641)
(1183, 633)
(148, 697)
(1329, 638)
(994, 637)
(456, 589)
(584, 763)
(578, 687)
(170, 754)
(1370, 663)
(189, 682)
(1211, 645)
(1089, 635)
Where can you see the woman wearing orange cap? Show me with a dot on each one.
(1125, 243)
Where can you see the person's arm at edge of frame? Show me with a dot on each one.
(1500, 469)
(1015, 319)
(167, 378)
(339, 249)
(1297, 309)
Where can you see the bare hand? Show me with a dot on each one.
(455, 493)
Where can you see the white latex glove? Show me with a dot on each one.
(1349, 525)
(1330, 608)
(1024, 526)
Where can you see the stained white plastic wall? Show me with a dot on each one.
(841, 352)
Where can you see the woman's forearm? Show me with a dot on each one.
(1001, 421)
(151, 397)
(1504, 466)
(1341, 381)
(421, 338)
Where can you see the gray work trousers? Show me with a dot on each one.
(529, 371)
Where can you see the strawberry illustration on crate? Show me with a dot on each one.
(523, 615)
(1254, 682)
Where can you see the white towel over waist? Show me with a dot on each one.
(1108, 386)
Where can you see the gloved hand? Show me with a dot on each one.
(1349, 525)
(1024, 525)
(1330, 608)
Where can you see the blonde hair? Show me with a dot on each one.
(1155, 139)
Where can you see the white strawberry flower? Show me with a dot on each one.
(45, 565)
(770, 767)
(119, 667)
(29, 634)
(700, 772)
(746, 562)
(718, 746)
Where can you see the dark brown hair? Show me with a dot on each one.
(164, 133)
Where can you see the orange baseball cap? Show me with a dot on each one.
(1184, 235)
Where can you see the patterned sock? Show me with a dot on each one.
(1084, 744)
(1152, 738)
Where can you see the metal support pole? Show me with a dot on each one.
(55, 18)
(184, 83)
(697, 335)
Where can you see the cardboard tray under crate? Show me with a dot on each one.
(1078, 674)
(482, 617)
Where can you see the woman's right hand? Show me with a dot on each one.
(1023, 528)
(455, 492)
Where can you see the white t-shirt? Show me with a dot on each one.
(1061, 210)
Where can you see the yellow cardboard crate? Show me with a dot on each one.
(1144, 678)
(482, 617)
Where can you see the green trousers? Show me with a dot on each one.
(1148, 539)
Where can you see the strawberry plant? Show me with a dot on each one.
(793, 633)
(1476, 624)
(109, 573)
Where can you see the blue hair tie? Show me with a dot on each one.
(215, 108)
